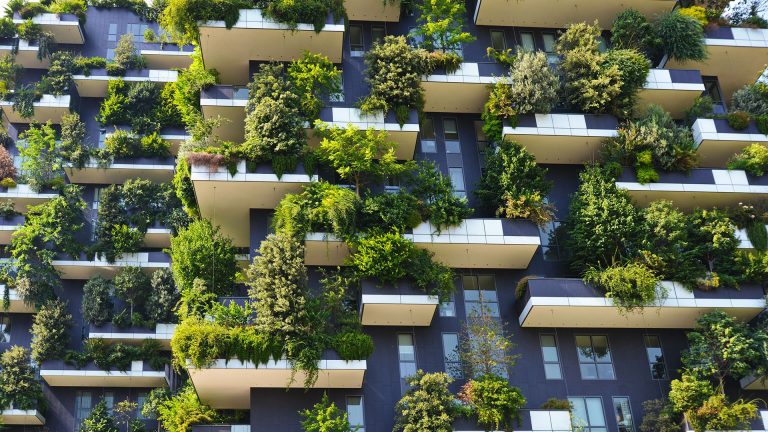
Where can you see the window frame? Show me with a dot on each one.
(545, 362)
(663, 360)
(357, 428)
(631, 427)
(352, 48)
(452, 366)
(491, 33)
(400, 362)
(588, 427)
(594, 357)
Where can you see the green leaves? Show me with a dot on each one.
(41, 159)
(428, 405)
(494, 401)
(50, 331)
(631, 286)
(441, 25)
(18, 385)
(201, 251)
(325, 417)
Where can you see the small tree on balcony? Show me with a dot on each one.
(41, 159)
(441, 25)
(201, 251)
(428, 405)
(313, 77)
(163, 296)
(133, 287)
(97, 301)
(99, 420)
(50, 331)
(484, 347)
(184, 409)
(325, 417)
(533, 85)
(19, 387)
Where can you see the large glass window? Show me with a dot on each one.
(451, 354)
(498, 41)
(549, 47)
(457, 180)
(450, 129)
(83, 406)
(5, 329)
(588, 414)
(427, 135)
(595, 360)
(480, 293)
(551, 357)
(550, 238)
(137, 31)
(355, 413)
(112, 32)
(407, 356)
(109, 400)
(655, 357)
(448, 308)
(377, 34)
(623, 412)
(141, 399)
(527, 41)
(356, 40)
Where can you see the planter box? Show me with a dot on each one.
(85, 269)
(56, 373)
(133, 335)
(48, 108)
(65, 28)
(26, 55)
(399, 305)
(464, 91)
(96, 83)
(717, 142)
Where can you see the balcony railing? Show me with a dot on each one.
(464, 91)
(26, 53)
(158, 170)
(85, 268)
(57, 373)
(398, 305)
(717, 142)
(133, 335)
(49, 108)
(674, 90)
(95, 84)
(65, 28)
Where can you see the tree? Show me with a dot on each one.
(162, 298)
(441, 25)
(533, 84)
(484, 348)
(19, 388)
(195, 301)
(97, 301)
(41, 160)
(494, 401)
(325, 417)
(320, 207)
(126, 57)
(713, 236)
(179, 412)
(359, 157)
(631, 30)
(72, 138)
(124, 411)
(434, 192)
(313, 77)
(7, 169)
(659, 417)
(50, 331)
(427, 405)
(132, 286)
(514, 185)
(682, 37)
(201, 251)
(99, 420)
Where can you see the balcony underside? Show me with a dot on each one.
(454, 97)
(6, 231)
(27, 58)
(675, 102)
(229, 51)
(157, 59)
(756, 383)
(561, 13)
(372, 10)
(157, 238)
(484, 255)
(320, 250)
(97, 378)
(557, 149)
(42, 113)
(717, 153)
(227, 385)
(81, 270)
(63, 32)
(118, 173)
(397, 310)
(24, 199)
(690, 199)
(16, 417)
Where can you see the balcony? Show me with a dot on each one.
(324, 249)
(23, 196)
(480, 243)
(95, 85)
(553, 302)
(155, 169)
(18, 417)
(86, 269)
(736, 57)
(227, 102)
(562, 138)
(48, 108)
(228, 384)
(133, 335)
(221, 428)
(464, 91)
(57, 373)
(167, 56)
(702, 187)
(372, 10)
(674, 90)
(257, 38)
(744, 243)
(559, 14)
(538, 420)
(157, 237)
(717, 142)
(26, 55)
(65, 28)
(400, 305)
(227, 199)
(9, 225)
(17, 304)
(174, 135)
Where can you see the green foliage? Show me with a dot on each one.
(682, 37)
(533, 84)
(182, 185)
(138, 104)
(50, 331)
(427, 405)
(702, 107)
(186, 89)
(180, 18)
(9, 74)
(325, 417)
(73, 148)
(42, 162)
(320, 207)
(99, 420)
(393, 71)
(74, 7)
(109, 357)
(631, 286)
(437, 203)
(707, 409)
(738, 120)
(97, 301)
(24, 99)
(313, 77)
(751, 99)
(122, 144)
(18, 384)
(752, 159)
(195, 301)
(715, 245)
(557, 404)
(513, 185)
(633, 68)
(132, 286)
(184, 409)
(499, 107)
(485, 348)
(440, 25)
(494, 401)
(7, 28)
(658, 416)
(390, 211)
(696, 12)
(162, 298)
(126, 56)
(632, 31)
(58, 80)
(201, 251)
(353, 345)
(292, 13)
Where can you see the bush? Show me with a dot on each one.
(181, 17)
(201, 251)
(154, 146)
(7, 28)
(41, 159)
(437, 202)
(313, 78)
(321, 207)
(702, 107)
(50, 331)
(761, 122)
(162, 298)
(751, 99)
(513, 185)
(682, 37)
(122, 144)
(184, 409)
(557, 404)
(738, 120)
(752, 159)
(19, 386)
(97, 302)
(449, 35)
(99, 420)
(126, 56)
(631, 286)
(495, 402)
(390, 211)
(313, 12)
(353, 345)
(698, 13)
(659, 417)
(7, 169)
(533, 85)
(324, 417)
(74, 7)
(499, 107)
(632, 31)
(633, 68)
(382, 256)
(132, 286)
(427, 405)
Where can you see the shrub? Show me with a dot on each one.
(304, 11)
(633, 68)
(513, 185)
(97, 302)
(99, 420)
(74, 7)
(738, 120)
(533, 85)
(180, 18)
(324, 417)
(631, 286)
(751, 99)
(427, 405)
(58, 80)
(702, 107)
(659, 417)
(557, 404)
(7, 169)
(382, 256)
(8, 209)
(761, 122)
(698, 13)
(632, 31)
(390, 211)
(132, 286)
(752, 159)
(353, 345)
(499, 107)
(162, 298)
(201, 251)
(73, 148)
(7, 28)
(184, 409)
(18, 385)
(313, 77)
(126, 56)
(448, 35)
(682, 37)
(50, 331)
(182, 185)
(153, 145)
(437, 202)
(122, 144)
(495, 402)
(320, 207)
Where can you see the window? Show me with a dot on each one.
(450, 129)
(655, 357)
(712, 89)
(623, 414)
(594, 357)
(338, 97)
(356, 40)
(451, 354)
(427, 132)
(137, 30)
(109, 399)
(377, 34)
(588, 414)
(549, 47)
(457, 180)
(448, 308)
(355, 413)
(112, 33)
(392, 184)
(550, 241)
(407, 356)
(5, 329)
(83, 405)
(141, 399)
(482, 142)
(527, 42)
(551, 357)
(479, 293)
(497, 40)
